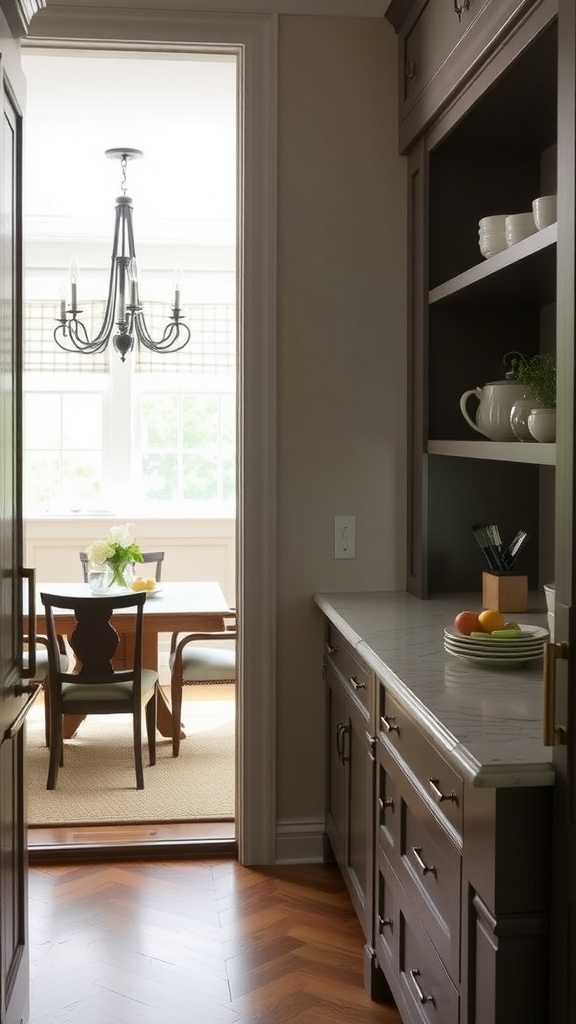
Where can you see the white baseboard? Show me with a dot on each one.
(300, 841)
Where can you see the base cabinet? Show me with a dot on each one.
(450, 882)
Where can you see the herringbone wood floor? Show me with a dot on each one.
(196, 942)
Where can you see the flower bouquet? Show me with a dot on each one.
(118, 551)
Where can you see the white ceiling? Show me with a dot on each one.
(180, 111)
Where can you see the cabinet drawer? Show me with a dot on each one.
(425, 766)
(439, 51)
(353, 672)
(427, 863)
(420, 984)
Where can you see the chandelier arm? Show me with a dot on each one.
(108, 321)
(170, 340)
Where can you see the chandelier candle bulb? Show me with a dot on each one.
(74, 284)
(177, 286)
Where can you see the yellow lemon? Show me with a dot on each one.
(490, 620)
(141, 584)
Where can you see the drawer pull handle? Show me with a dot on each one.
(459, 9)
(356, 684)
(384, 922)
(389, 724)
(386, 803)
(421, 996)
(330, 649)
(411, 70)
(440, 796)
(339, 730)
(427, 869)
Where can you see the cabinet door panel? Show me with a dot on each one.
(335, 787)
(360, 766)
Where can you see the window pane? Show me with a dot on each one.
(42, 421)
(82, 475)
(159, 417)
(160, 474)
(81, 421)
(200, 478)
(42, 478)
(200, 420)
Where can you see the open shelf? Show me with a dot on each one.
(527, 268)
(535, 454)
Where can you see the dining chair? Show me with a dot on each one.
(95, 687)
(41, 675)
(148, 557)
(193, 663)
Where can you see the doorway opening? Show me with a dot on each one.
(153, 438)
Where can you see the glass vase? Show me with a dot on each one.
(99, 578)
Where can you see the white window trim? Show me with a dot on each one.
(256, 37)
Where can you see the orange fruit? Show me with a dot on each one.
(490, 620)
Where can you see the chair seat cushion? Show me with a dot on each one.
(207, 664)
(107, 691)
(42, 663)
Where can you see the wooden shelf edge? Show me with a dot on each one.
(531, 453)
(496, 264)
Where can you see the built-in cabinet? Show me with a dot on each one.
(447, 860)
(462, 851)
(478, 144)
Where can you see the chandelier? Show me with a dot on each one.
(123, 312)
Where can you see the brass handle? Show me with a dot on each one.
(421, 996)
(384, 922)
(330, 649)
(439, 795)
(30, 672)
(426, 869)
(553, 734)
(356, 684)
(389, 724)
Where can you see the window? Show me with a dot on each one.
(157, 434)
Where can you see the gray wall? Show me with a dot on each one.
(341, 354)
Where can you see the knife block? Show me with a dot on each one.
(505, 591)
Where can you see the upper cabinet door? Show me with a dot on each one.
(19, 13)
(443, 43)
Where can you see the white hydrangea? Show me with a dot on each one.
(100, 551)
(123, 535)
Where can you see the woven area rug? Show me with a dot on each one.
(97, 782)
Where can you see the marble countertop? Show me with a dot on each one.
(486, 720)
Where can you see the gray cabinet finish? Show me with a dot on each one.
(461, 845)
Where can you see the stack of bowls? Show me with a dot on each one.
(492, 235)
(519, 226)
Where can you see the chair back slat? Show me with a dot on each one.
(94, 640)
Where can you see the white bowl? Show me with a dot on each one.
(544, 211)
(495, 223)
(519, 226)
(550, 595)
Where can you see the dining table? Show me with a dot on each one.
(172, 607)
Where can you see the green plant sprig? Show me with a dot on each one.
(537, 374)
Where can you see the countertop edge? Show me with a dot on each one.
(481, 776)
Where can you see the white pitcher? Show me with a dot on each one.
(495, 401)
